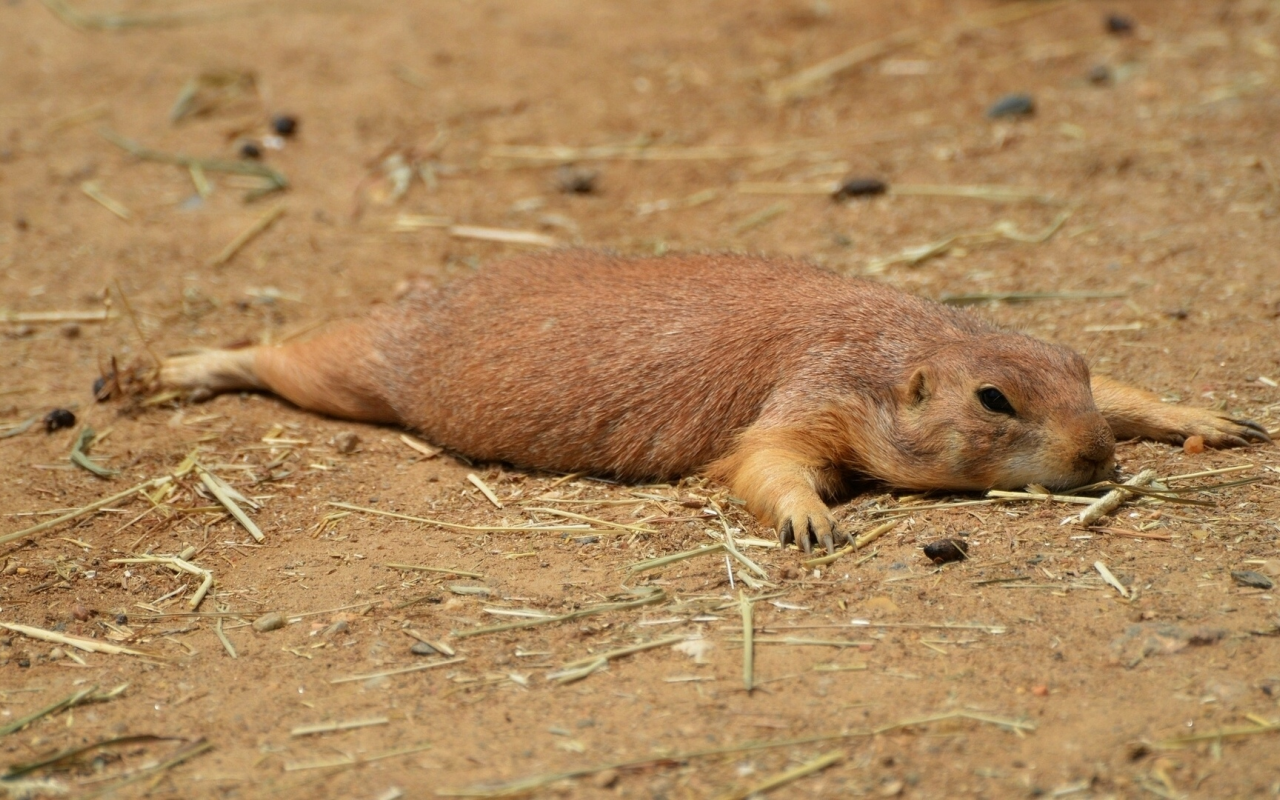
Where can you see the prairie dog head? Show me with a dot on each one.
(1002, 411)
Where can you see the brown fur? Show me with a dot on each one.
(774, 376)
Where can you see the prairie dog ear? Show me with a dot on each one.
(918, 389)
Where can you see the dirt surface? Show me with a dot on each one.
(1166, 158)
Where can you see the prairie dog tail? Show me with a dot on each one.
(333, 373)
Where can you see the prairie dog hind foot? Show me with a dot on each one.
(211, 371)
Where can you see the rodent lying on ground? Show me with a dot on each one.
(774, 376)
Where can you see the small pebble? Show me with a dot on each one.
(423, 649)
(944, 550)
(1254, 580)
(1119, 24)
(572, 179)
(71, 330)
(101, 389)
(56, 654)
(122, 619)
(80, 612)
(270, 621)
(58, 419)
(1194, 445)
(250, 150)
(22, 331)
(341, 626)
(1012, 105)
(1100, 75)
(861, 187)
(1040, 690)
(606, 779)
(346, 442)
(284, 124)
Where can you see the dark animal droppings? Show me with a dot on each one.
(1119, 24)
(944, 550)
(58, 419)
(284, 124)
(1012, 105)
(576, 180)
(861, 187)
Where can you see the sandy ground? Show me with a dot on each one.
(1017, 673)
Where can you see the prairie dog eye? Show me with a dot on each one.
(993, 400)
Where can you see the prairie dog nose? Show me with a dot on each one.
(1099, 448)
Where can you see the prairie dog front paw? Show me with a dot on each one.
(1137, 414)
(806, 525)
(1217, 429)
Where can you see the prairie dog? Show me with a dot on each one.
(771, 375)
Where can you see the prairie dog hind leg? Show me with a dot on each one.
(333, 373)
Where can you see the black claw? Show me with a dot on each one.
(828, 543)
(786, 534)
(1253, 431)
(806, 538)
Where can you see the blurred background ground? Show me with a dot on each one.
(1158, 136)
